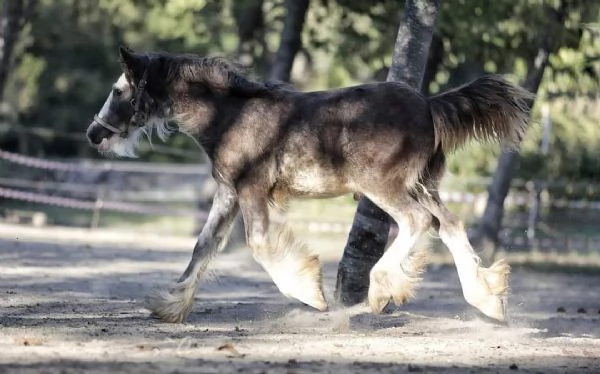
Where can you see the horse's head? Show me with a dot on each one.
(131, 109)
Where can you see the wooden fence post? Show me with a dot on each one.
(100, 195)
(538, 185)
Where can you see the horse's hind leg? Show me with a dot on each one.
(295, 271)
(397, 273)
(484, 288)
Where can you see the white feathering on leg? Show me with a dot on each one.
(175, 305)
(294, 269)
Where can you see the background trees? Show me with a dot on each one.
(59, 57)
(64, 58)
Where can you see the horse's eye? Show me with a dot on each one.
(117, 92)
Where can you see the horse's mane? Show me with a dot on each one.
(220, 74)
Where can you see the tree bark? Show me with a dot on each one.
(249, 18)
(369, 233)
(485, 236)
(10, 26)
(434, 60)
(291, 40)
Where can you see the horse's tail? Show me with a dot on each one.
(489, 109)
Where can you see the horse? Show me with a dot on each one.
(269, 143)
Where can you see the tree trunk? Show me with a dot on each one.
(413, 41)
(485, 236)
(10, 26)
(434, 60)
(369, 233)
(291, 40)
(249, 18)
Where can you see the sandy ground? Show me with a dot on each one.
(71, 301)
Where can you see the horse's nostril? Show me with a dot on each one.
(96, 133)
(94, 141)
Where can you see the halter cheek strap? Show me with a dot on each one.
(138, 116)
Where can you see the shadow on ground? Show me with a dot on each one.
(79, 308)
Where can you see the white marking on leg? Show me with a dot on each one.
(294, 269)
(484, 288)
(176, 304)
(398, 271)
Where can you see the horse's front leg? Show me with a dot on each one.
(176, 304)
(294, 270)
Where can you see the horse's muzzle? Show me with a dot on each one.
(96, 133)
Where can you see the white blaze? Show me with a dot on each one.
(121, 84)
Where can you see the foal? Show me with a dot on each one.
(268, 143)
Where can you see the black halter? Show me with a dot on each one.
(139, 116)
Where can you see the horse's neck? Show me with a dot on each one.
(208, 121)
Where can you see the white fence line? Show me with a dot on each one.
(137, 201)
(118, 166)
(119, 206)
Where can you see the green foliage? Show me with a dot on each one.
(67, 60)
(570, 85)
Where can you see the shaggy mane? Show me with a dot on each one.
(220, 74)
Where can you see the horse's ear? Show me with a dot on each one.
(131, 62)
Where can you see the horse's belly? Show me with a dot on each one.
(316, 183)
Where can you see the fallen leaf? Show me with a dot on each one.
(30, 341)
(231, 349)
(145, 347)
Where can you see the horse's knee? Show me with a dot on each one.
(450, 226)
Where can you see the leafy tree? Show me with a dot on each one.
(291, 40)
(557, 33)
(65, 59)
(13, 17)
(250, 21)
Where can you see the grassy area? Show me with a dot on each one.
(340, 210)
(329, 245)
(107, 219)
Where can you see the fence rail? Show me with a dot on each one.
(152, 200)
(117, 206)
(116, 166)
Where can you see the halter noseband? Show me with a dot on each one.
(104, 123)
(138, 117)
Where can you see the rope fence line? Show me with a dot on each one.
(124, 205)
(163, 168)
(38, 163)
(118, 206)
(55, 186)
(119, 166)
(159, 168)
(183, 195)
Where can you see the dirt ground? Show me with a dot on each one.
(71, 301)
